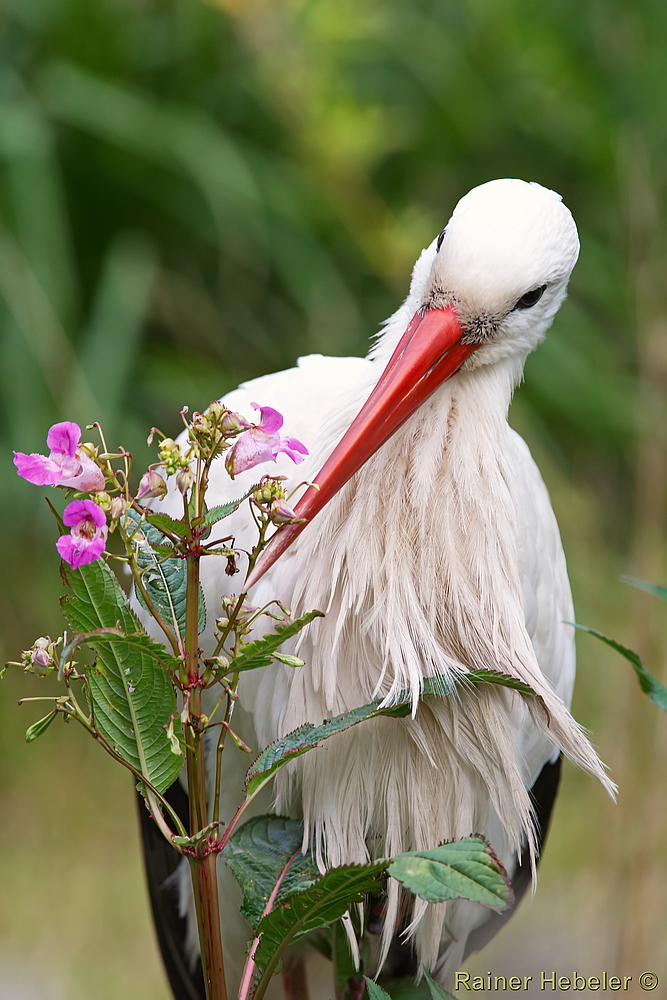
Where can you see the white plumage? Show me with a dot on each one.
(440, 555)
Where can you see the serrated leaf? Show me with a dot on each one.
(164, 550)
(437, 991)
(463, 869)
(374, 991)
(37, 728)
(225, 509)
(649, 684)
(133, 698)
(258, 853)
(310, 736)
(140, 640)
(325, 901)
(160, 520)
(260, 652)
(164, 579)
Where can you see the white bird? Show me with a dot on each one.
(434, 551)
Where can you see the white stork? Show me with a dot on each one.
(434, 551)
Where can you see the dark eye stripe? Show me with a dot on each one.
(531, 298)
(440, 239)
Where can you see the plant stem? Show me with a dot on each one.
(250, 967)
(203, 870)
(205, 886)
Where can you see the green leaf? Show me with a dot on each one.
(649, 684)
(225, 509)
(651, 588)
(325, 901)
(374, 991)
(310, 736)
(164, 579)
(464, 869)
(258, 854)
(438, 992)
(40, 727)
(260, 652)
(133, 700)
(140, 640)
(159, 521)
(405, 988)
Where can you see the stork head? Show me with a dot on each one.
(503, 262)
(486, 289)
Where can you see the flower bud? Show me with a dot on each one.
(215, 410)
(184, 480)
(151, 485)
(117, 507)
(103, 500)
(200, 423)
(171, 457)
(280, 513)
(40, 659)
(269, 489)
(232, 423)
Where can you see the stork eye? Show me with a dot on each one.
(440, 239)
(530, 298)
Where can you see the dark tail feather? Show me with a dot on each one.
(161, 862)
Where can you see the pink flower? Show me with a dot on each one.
(261, 443)
(66, 465)
(89, 533)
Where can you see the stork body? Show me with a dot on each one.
(439, 555)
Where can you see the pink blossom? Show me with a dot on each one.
(89, 533)
(66, 465)
(261, 443)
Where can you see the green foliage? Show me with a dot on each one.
(216, 514)
(463, 869)
(164, 578)
(260, 652)
(265, 853)
(320, 905)
(374, 991)
(650, 588)
(133, 700)
(437, 991)
(262, 850)
(309, 736)
(649, 684)
(161, 521)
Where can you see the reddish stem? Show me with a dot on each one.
(205, 885)
(246, 982)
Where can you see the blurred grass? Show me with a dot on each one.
(195, 193)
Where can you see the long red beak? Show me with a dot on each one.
(430, 351)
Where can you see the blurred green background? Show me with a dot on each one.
(194, 193)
